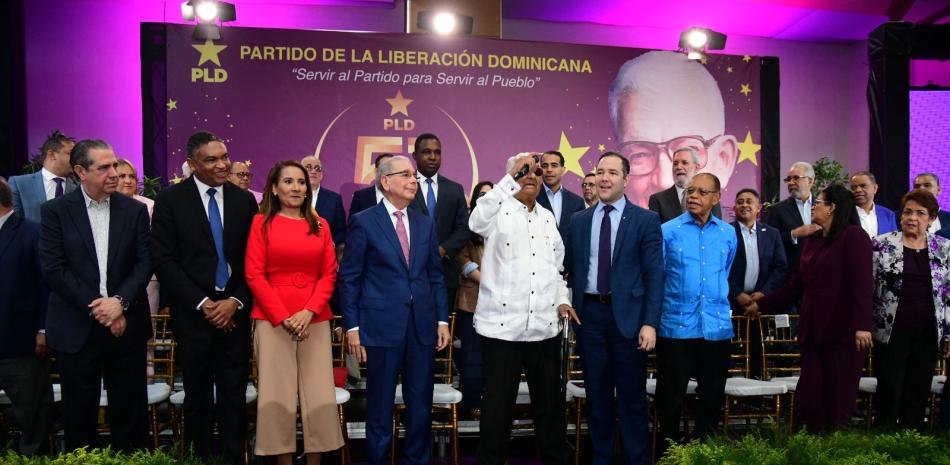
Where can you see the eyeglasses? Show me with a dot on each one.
(702, 192)
(405, 174)
(645, 155)
(795, 178)
(316, 168)
(245, 175)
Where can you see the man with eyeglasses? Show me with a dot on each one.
(930, 182)
(327, 203)
(695, 322)
(659, 103)
(875, 219)
(394, 310)
(590, 190)
(367, 196)
(672, 202)
(792, 216)
(554, 196)
(241, 177)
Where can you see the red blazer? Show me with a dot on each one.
(833, 280)
(290, 270)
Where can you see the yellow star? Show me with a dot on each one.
(399, 104)
(172, 105)
(247, 163)
(572, 155)
(601, 147)
(729, 69)
(746, 58)
(704, 60)
(745, 90)
(209, 51)
(747, 149)
(176, 179)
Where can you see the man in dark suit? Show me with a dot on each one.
(792, 216)
(394, 310)
(94, 251)
(199, 235)
(672, 202)
(53, 180)
(615, 263)
(443, 200)
(930, 182)
(24, 368)
(327, 203)
(875, 219)
(368, 196)
(759, 267)
(562, 202)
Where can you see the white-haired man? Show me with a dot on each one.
(792, 216)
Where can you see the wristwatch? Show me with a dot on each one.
(124, 303)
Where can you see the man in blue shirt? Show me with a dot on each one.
(695, 325)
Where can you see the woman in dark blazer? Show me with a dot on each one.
(911, 317)
(833, 281)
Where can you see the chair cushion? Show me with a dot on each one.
(250, 395)
(936, 386)
(158, 392)
(576, 390)
(57, 395)
(867, 384)
(790, 382)
(746, 387)
(4, 400)
(690, 387)
(441, 394)
(342, 396)
(524, 397)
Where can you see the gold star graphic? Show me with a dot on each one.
(176, 179)
(399, 104)
(745, 90)
(172, 105)
(704, 60)
(746, 58)
(572, 155)
(747, 149)
(209, 52)
(729, 69)
(601, 147)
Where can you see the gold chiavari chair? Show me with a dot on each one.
(781, 355)
(740, 388)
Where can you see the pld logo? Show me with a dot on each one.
(209, 52)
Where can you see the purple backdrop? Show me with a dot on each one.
(267, 107)
(930, 137)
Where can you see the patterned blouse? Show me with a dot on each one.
(888, 266)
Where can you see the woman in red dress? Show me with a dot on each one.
(291, 269)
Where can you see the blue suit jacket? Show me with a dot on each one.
(362, 199)
(636, 274)
(944, 217)
(330, 207)
(886, 219)
(571, 203)
(378, 288)
(68, 257)
(23, 293)
(29, 193)
(773, 265)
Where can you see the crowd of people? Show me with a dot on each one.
(518, 260)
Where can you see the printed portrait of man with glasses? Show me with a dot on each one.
(669, 121)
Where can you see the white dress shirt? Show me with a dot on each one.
(99, 222)
(313, 201)
(521, 284)
(868, 220)
(934, 227)
(750, 239)
(379, 195)
(592, 259)
(218, 199)
(424, 187)
(804, 209)
(49, 185)
(4, 218)
(556, 200)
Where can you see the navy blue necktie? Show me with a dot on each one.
(59, 187)
(430, 199)
(217, 232)
(603, 254)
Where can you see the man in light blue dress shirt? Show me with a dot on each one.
(695, 321)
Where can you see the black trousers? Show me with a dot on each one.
(676, 361)
(26, 382)
(215, 367)
(503, 362)
(119, 364)
(904, 368)
(469, 360)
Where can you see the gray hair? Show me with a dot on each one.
(386, 168)
(809, 170)
(80, 153)
(692, 151)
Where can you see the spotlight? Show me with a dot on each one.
(695, 41)
(207, 13)
(443, 22)
(187, 11)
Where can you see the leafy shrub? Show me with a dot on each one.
(102, 457)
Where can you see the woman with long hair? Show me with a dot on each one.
(291, 269)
